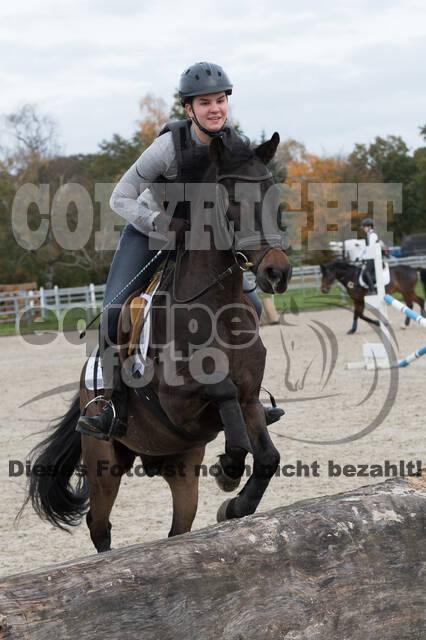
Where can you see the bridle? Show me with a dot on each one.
(240, 259)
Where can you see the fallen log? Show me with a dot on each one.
(342, 567)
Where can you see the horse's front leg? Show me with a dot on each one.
(266, 459)
(358, 312)
(229, 469)
(182, 473)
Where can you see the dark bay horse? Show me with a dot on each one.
(403, 280)
(202, 390)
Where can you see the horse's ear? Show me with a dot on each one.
(217, 149)
(266, 151)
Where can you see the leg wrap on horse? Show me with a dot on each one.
(224, 394)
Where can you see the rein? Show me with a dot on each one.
(243, 265)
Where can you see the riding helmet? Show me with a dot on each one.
(203, 78)
(367, 222)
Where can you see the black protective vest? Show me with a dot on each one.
(193, 160)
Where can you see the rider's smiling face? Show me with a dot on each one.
(210, 109)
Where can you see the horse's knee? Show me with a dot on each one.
(233, 462)
(266, 462)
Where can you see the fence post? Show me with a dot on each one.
(92, 295)
(16, 312)
(57, 302)
(92, 299)
(317, 280)
(42, 301)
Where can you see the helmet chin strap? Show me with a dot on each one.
(212, 134)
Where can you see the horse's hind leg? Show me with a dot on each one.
(420, 301)
(105, 462)
(266, 459)
(354, 323)
(181, 472)
(409, 298)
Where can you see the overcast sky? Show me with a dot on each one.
(326, 76)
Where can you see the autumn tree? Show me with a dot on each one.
(388, 160)
(154, 116)
(34, 164)
(177, 112)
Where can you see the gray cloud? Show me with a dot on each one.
(326, 76)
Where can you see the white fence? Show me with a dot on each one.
(91, 296)
(14, 303)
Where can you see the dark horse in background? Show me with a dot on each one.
(403, 280)
(198, 410)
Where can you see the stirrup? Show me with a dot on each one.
(95, 433)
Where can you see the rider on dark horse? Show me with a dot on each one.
(180, 154)
(368, 270)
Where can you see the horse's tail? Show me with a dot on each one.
(53, 463)
(422, 273)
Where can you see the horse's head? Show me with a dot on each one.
(328, 277)
(338, 270)
(251, 207)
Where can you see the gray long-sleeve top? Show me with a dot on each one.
(132, 198)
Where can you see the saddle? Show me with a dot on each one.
(386, 277)
(134, 331)
(137, 305)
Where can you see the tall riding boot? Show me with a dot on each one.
(368, 279)
(112, 419)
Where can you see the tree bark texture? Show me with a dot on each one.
(344, 567)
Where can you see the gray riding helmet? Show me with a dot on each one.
(203, 78)
(367, 222)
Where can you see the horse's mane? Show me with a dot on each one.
(235, 155)
(339, 264)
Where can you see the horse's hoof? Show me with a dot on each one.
(351, 331)
(221, 512)
(224, 482)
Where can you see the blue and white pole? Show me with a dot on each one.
(404, 309)
(412, 356)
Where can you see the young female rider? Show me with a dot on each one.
(176, 155)
(368, 271)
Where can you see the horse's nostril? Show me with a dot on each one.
(274, 274)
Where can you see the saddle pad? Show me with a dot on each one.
(386, 277)
(94, 362)
(137, 309)
(139, 355)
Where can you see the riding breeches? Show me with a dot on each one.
(132, 254)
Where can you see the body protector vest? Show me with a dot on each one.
(193, 160)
